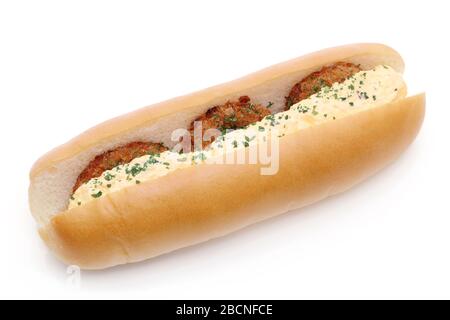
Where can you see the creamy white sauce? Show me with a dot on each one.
(366, 89)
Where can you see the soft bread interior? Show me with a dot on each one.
(53, 176)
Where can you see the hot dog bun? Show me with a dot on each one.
(190, 205)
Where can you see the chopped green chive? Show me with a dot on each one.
(97, 195)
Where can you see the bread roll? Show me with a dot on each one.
(205, 201)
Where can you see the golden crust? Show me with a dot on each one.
(162, 215)
(148, 115)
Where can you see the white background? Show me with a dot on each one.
(67, 65)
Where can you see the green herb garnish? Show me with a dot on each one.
(97, 195)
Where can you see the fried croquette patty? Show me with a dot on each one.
(112, 158)
(231, 115)
(325, 77)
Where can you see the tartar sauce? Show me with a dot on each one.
(365, 89)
